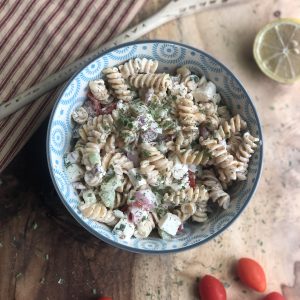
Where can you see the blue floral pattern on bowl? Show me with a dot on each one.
(170, 56)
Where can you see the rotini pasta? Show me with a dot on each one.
(118, 84)
(98, 212)
(215, 189)
(234, 126)
(152, 150)
(187, 78)
(99, 91)
(197, 194)
(158, 82)
(137, 65)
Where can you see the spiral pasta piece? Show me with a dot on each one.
(150, 172)
(98, 212)
(246, 148)
(79, 145)
(99, 91)
(197, 194)
(137, 65)
(221, 157)
(120, 200)
(188, 114)
(129, 68)
(200, 214)
(187, 78)
(158, 82)
(183, 215)
(233, 143)
(118, 84)
(144, 228)
(110, 144)
(225, 130)
(80, 115)
(126, 186)
(156, 158)
(212, 122)
(193, 157)
(215, 190)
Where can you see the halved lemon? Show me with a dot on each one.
(276, 50)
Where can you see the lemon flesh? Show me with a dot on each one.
(277, 50)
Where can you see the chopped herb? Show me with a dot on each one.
(47, 256)
(174, 98)
(226, 285)
(18, 275)
(34, 226)
(196, 79)
(67, 164)
(179, 282)
(148, 294)
(144, 218)
(168, 124)
(194, 143)
(121, 227)
(259, 242)
(42, 281)
(272, 107)
(138, 177)
(146, 154)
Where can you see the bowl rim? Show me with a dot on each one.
(144, 251)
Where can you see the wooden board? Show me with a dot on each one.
(45, 254)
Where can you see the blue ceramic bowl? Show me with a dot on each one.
(170, 55)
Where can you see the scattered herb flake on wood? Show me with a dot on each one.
(34, 226)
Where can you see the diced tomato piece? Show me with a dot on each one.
(106, 110)
(95, 103)
(192, 179)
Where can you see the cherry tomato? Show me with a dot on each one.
(252, 274)
(274, 296)
(192, 179)
(104, 298)
(210, 288)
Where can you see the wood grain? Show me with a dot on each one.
(45, 254)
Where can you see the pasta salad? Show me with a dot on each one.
(154, 150)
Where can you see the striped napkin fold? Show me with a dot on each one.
(39, 37)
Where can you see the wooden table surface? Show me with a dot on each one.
(45, 254)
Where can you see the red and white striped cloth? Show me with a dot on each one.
(37, 38)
